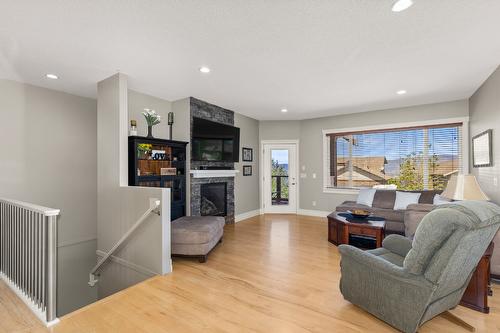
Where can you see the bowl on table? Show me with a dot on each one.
(359, 213)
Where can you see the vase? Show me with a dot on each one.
(150, 132)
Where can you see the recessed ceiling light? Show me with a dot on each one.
(401, 92)
(52, 76)
(401, 5)
(204, 69)
(284, 110)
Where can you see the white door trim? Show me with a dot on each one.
(261, 173)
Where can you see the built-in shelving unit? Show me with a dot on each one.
(159, 163)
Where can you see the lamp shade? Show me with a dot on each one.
(464, 187)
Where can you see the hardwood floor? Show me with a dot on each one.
(15, 316)
(273, 273)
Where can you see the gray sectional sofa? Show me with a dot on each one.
(405, 222)
(383, 206)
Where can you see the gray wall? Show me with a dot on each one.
(137, 102)
(279, 130)
(48, 141)
(246, 188)
(311, 142)
(119, 206)
(484, 108)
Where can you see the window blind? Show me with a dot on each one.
(415, 158)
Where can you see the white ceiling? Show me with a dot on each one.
(314, 57)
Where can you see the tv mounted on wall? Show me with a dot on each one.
(214, 141)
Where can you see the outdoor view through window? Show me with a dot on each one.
(415, 158)
(279, 176)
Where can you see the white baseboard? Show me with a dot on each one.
(311, 212)
(247, 215)
(41, 315)
(305, 212)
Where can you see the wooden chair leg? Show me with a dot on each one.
(460, 322)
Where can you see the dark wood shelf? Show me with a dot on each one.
(154, 177)
(171, 149)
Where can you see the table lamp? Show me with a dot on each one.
(464, 187)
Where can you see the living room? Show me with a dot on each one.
(215, 182)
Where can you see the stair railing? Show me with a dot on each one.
(28, 255)
(154, 209)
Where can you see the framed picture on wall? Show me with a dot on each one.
(482, 150)
(247, 170)
(247, 154)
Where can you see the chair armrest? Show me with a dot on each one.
(397, 244)
(421, 207)
(383, 266)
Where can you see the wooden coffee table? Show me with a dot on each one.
(340, 227)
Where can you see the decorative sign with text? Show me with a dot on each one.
(158, 155)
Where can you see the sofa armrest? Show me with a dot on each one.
(421, 207)
(414, 215)
(392, 271)
(397, 244)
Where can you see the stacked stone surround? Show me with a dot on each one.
(204, 110)
(196, 195)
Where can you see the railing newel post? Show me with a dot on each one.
(51, 268)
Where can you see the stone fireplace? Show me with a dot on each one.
(213, 199)
(218, 179)
(197, 201)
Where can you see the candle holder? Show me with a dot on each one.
(170, 123)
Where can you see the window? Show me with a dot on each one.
(409, 158)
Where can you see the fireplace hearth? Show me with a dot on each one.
(213, 199)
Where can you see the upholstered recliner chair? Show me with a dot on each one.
(407, 283)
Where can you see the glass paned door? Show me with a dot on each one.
(280, 181)
(279, 177)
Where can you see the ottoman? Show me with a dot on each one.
(196, 236)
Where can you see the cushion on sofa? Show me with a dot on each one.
(439, 200)
(388, 255)
(403, 199)
(390, 214)
(427, 197)
(421, 207)
(365, 196)
(384, 199)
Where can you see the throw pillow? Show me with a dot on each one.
(365, 196)
(403, 199)
(439, 200)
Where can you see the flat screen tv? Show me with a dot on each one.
(214, 141)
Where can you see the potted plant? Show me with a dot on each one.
(143, 150)
(152, 118)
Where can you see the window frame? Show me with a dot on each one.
(429, 123)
